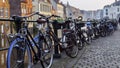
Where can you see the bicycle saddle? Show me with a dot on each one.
(40, 21)
(68, 30)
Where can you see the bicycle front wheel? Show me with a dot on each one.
(19, 55)
(80, 44)
(47, 52)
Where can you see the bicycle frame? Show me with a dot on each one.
(53, 35)
(30, 44)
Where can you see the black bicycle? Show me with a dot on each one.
(68, 41)
(81, 35)
(26, 51)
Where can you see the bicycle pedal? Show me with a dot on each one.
(78, 41)
(19, 61)
(46, 51)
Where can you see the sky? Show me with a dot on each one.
(88, 4)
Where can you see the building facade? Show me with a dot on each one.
(26, 7)
(4, 29)
(35, 8)
(60, 10)
(4, 13)
(95, 14)
(72, 11)
(87, 15)
(45, 7)
(112, 11)
(99, 14)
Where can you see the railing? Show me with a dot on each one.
(10, 30)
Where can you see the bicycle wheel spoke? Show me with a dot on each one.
(45, 61)
(72, 48)
(17, 56)
(47, 52)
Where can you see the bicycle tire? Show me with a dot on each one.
(17, 54)
(47, 52)
(72, 46)
(89, 39)
(80, 44)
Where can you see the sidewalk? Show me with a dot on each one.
(103, 53)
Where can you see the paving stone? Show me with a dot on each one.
(103, 53)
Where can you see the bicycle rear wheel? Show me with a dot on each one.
(19, 55)
(72, 46)
(80, 44)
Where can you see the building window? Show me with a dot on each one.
(3, 1)
(6, 12)
(43, 8)
(106, 13)
(106, 10)
(118, 9)
(1, 11)
(45, 0)
(40, 7)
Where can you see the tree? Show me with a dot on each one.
(15, 7)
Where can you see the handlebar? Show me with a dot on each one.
(36, 13)
(19, 19)
(43, 16)
(24, 17)
(45, 19)
(53, 16)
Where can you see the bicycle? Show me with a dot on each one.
(81, 34)
(68, 41)
(22, 52)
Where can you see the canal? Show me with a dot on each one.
(3, 53)
(7, 28)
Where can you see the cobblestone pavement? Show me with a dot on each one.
(103, 53)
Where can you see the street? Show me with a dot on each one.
(102, 53)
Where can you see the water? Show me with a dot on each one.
(3, 54)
